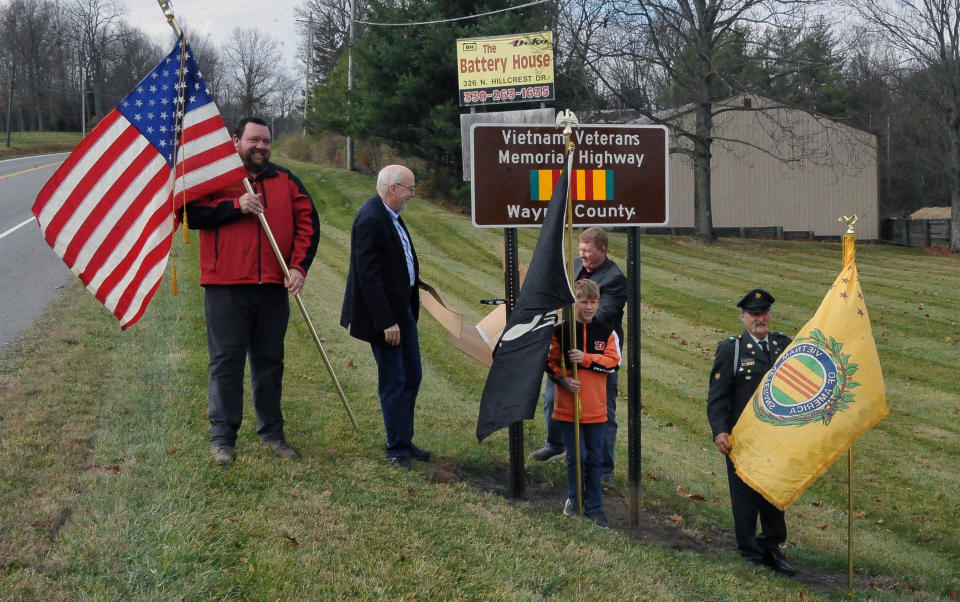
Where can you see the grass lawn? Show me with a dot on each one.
(37, 143)
(108, 491)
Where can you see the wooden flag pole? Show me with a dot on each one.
(568, 120)
(171, 21)
(303, 310)
(848, 239)
(850, 519)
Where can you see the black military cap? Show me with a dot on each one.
(756, 301)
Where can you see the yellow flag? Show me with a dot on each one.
(824, 391)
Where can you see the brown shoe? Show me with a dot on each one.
(222, 453)
(280, 447)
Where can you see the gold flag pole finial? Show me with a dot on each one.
(567, 120)
(168, 13)
(849, 221)
(848, 238)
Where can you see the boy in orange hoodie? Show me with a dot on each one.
(597, 354)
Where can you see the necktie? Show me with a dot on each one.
(766, 350)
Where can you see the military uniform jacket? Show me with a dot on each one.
(738, 367)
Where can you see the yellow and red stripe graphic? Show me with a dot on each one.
(542, 182)
(795, 378)
(592, 184)
(585, 184)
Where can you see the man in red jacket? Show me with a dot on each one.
(246, 300)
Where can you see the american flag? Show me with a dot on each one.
(108, 212)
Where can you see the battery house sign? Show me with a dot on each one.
(504, 69)
(619, 178)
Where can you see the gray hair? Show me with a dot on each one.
(391, 174)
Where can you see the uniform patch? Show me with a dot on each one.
(748, 362)
(808, 383)
(599, 345)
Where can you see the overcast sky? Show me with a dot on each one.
(217, 18)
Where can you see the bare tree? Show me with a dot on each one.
(95, 24)
(285, 100)
(29, 29)
(132, 55)
(654, 54)
(926, 36)
(208, 58)
(251, 59)
(330, 20)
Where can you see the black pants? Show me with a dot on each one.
(245, 321)
(747, 506)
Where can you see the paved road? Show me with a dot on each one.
(31, 276)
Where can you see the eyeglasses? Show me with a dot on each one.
(412, 189)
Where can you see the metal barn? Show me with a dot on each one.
(779, 167)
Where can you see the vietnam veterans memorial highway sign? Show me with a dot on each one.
(619, 174)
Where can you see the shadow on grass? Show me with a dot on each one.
(654, 529)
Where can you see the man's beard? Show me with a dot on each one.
(252, 165)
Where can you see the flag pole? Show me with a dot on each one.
(568, 120)
(848, 239)
(303, 311)
(171, 21)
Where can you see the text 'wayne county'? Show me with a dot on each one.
(618, 212)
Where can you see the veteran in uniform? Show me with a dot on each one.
(738, 368)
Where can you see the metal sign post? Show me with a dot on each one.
(634, 403)
(511, 286)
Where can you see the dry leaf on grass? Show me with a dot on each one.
(690, 496)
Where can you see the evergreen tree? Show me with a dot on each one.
(405, 87)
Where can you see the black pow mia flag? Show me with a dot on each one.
(513, 383)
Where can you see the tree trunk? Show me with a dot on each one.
(954, 134)
(702, 211)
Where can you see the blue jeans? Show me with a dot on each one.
(399, 373)
(555, 439)
(591, 452)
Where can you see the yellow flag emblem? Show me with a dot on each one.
(824, 391)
